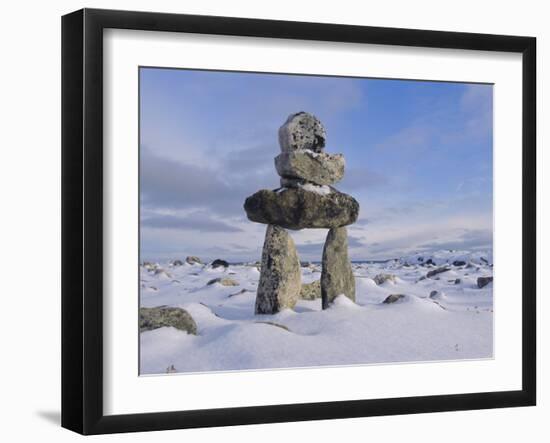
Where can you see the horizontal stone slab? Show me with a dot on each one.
(318, 168)
(298, 208)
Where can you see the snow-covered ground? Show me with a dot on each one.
(454, 323)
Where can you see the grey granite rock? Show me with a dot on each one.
(440, 270)
(218, 263)
(321, 169)
(337, 276)
(163, 316)
(382, 278)
(192, 259)
(280, 276)
(483, 281)
(392, 298)
(302, 131)
(224, 281)
(297, 208)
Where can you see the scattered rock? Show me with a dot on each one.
(321, 169)
(160, 272)
(280, 277)
(177, 263)
(218, 263)
(336, 275)
(484, 260)
(224, 281)
(149, 266)
(434, 272)
(429, 262)
(382, 278)
(458, 281)
(297, 208)
(163, 316)
(434, 294)
(302, 131)
(192, 259)
(311, 291)
(459, 263)
(483, 281)
(392, 298)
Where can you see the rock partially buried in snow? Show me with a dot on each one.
(311, 291)
(280, 277)
(218, 263)
(321, 169)
(382, 278)
(337, 276)
(177, 263)
(298, 208)
(161, 273)
(302, 131)
(224, 281)
(392, 298)
(433, 273)
(162, 316)
(483, 281)
(192, 259)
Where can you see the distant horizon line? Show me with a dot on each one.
(362, 260)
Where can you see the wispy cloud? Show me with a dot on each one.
(200, 222)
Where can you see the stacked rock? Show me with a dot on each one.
(305, 199)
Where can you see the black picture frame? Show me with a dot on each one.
(82, 218)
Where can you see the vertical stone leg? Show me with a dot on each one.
(337, 276)
(280, 277)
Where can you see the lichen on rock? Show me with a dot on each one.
(337, 275)
(280, 277)
(321, 169)
(164, 316)
(298, 208)
(311, 291)
(302, 131)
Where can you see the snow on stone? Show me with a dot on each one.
(321, 190)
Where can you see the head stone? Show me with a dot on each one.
(302, 131)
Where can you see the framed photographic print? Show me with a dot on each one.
(269, 221)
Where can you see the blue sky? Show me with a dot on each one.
(418, 160)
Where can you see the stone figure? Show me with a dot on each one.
(306, 199)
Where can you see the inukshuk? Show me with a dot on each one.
(305, 199)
